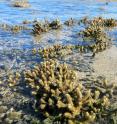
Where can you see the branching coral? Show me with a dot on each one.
(56, 24)
(13, 79)
(18, 28)
(95, 32)
(21, 3)
(84, 21)
(110, 22)
(99, 21)
(54, 51)
(59, 94)
(92, 31)
(14, 28)
(100, 46)
(39, 28)
(104, 22)
(59, 51)
(70, 22)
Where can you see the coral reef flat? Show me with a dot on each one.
(58, 62)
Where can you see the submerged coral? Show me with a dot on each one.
(13, 28)
(104, 22)
(58, 93)
(59, 51)
(70, 22)
(18, 28)
(92, 32)
(56, 24)
(99, 21)
(13, 79)
(84, 21)
(40, 27)
(54, 51)
(96, 34)
(21, 3)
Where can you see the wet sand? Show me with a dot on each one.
(105, 64)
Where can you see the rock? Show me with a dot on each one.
(3, 109)
(47, 121)
(0, 102)
(35, 121)
(2, 66)
(11, 109)
(8, 121)
(0, 82)
(14, 115)
(21, 122)
(2, 116)
(27, 118)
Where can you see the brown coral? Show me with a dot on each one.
(96, 34)
(13, 79)
(70, 22)
(21, 3)
(39, 28)
(59, 94)
(56, 24)
(55, 51)
(104, 22)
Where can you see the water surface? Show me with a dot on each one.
(47, 9)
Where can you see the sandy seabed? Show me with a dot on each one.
(105, 64)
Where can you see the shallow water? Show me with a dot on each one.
(50, 9)
(46, 9)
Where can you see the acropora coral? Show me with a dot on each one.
(58, 93)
